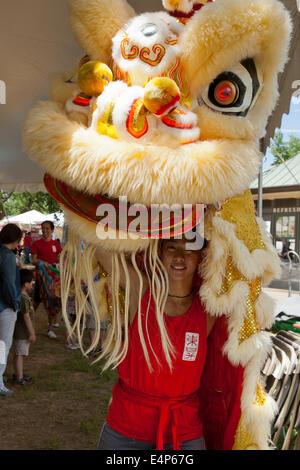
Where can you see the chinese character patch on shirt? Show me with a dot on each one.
(190, 347)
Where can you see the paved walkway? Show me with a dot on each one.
(278, 294)
(287, 274)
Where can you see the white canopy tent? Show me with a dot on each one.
(30, 217)
(33, 218)
(36, 43)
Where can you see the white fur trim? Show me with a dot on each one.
(122, 109)
(181, 135)
(257, 418)
(259, 263)
(109, 95)
(265, 308)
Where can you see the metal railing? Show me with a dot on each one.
(294, 254)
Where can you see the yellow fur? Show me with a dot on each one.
(204, 172)
(62, 89)
(95, 22)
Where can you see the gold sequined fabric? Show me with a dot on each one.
(261, 395)
(243, 438)
(250, 325)
(240, 212)
(232, 274)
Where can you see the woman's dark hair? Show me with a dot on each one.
(48, 222)
(10, 234)
(25, 276)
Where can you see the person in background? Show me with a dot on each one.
(72, 341)
(24, 332)
(27, 246)
(18, 258)
(48, 250)
(10, 295)
(91, 326)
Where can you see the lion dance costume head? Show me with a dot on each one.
(168, 108)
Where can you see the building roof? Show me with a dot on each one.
(285, 174)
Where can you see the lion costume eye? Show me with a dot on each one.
(234, 91)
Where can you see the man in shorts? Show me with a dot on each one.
(24, 333)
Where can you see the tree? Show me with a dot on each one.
(283, 151)
(17, 203)
(4, 196)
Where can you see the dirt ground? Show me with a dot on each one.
(65, 407)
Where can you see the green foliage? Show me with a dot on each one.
(17, 203)
(284, 150)
(283, 433)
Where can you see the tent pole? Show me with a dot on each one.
(260, 183)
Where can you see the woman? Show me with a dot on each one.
(10, 294)
(158, 406)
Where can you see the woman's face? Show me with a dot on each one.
(179, 262)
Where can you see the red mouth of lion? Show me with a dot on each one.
(119, 215)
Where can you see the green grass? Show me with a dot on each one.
(55, 386)
(66, 405)
(27, 394)
(52, 443)
(90, 424)
(77, 363)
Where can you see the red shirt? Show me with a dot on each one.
(161, 406)
(27, 240)
(46, 251)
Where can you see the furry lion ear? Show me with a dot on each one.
(95, 22)
(225, 32)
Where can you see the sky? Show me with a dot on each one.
(290, 125)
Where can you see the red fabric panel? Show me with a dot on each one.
(220, 392)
